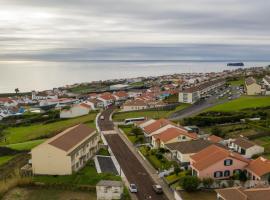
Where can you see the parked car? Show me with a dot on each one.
(102, 117)
(158, 189)
(133, 188)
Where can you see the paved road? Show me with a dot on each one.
(202, 105)
(131, 166)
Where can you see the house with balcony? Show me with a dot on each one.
(65, 153)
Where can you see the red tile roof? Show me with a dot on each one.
(121, 94)
(214, 138)
(259, 166)
(157, 125)
(211, 155)
(172, 133)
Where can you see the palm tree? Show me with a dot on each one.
(17, 90)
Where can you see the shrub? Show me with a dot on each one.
(177, 170)
(207, 182)
(189, 183)
(137, 131)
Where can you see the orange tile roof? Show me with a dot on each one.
(85, 105)
(121, 94)
(259, 166)
(172, 133)
(156, 125)
(212, 155)
(214, 138)
(107, 96)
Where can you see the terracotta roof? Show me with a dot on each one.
(135, 103)
(107, 96)
(4, 99)
(259, 166)
(71, 137)
(211, 155)
(250, 80)
(85, 105)
(244, 143)
(156, 125)
(239, 193)
(214, 138)
(172, 133)
(121, 94)
(186, 147)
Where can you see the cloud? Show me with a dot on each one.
(134, 29)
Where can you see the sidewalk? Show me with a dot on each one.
(149, 168)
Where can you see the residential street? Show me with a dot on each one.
(131, 166)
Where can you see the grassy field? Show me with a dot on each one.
(243, 102)
(86, 176)
(26, 146)
(120, 116)
(5, 159)
(237, 82)
(47, 194)
(37, 131)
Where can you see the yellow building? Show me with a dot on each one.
(66, 152)
(252, 87)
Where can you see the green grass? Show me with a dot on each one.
(121, 116)
(37, 131)
(137, 84)
(237, 82)
(132, 138)
(243, 102)
(25, 146)
(86, 176)
(155, 162)
(103, 152)
(5, 159)
(29, 193)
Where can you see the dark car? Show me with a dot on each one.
(158, 189)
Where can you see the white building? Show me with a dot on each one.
(65, 153)
(246, 147)
(76, 110)
(109, 190)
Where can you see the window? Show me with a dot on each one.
(183, 137)
(227, 173)
(218, 174)
(236, 171)
(228, 162)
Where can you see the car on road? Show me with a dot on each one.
(102, 117)
(133, 188)
(158, 189)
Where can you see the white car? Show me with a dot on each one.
(102, 117)
(133, 188)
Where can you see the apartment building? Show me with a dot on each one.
(65, 153)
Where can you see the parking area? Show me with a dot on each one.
(106, 165)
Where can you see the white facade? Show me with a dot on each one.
(248, 152)
(189, 97)
(74, 111)
(109, 190)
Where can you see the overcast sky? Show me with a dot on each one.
(134, 29)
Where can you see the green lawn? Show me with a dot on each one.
(237, 82)
(87, 176)
(5, 159)
(155, 162)
(127, 130)
(26, 146)
(243, 102)
(37, 131)
(121, 116)
(35, 193)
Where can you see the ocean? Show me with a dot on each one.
(42, 75)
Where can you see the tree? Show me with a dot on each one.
(189, 183)
(136, 131)
(177, 170)
(17, 90)
(217, 131)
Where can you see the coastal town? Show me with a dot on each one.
(180, 136)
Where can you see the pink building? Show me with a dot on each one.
(216, 162)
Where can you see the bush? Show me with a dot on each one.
(137, 131)
(177, 170)
(217, 131)
(207, 182)
(189, 183)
